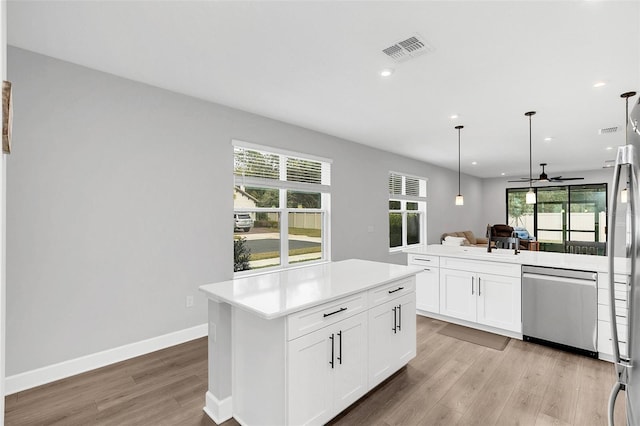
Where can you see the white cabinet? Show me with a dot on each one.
(458, 294)
(327, 370)
(308, 366)
(499, 301)
(427, 283)
(605, 342)
(482, 297)
(392, 337)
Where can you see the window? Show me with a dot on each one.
(281, 208)
(407, 211)
(567, 219)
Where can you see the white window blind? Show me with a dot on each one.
(405, 187)
(261, 167)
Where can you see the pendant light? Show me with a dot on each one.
(624, 194)
(459, 197)
(531, 195)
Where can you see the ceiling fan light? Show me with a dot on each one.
(459, 200)
(531, 197)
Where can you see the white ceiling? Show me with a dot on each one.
(316, 64)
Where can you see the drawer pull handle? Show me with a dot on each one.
(335, 312)
(397, 289)
(423, 260)
(427, 269)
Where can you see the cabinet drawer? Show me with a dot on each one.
(620, 295)
(303, 322)
(391, 291)
(604, 313)
(496, 268)
(605, 344)
(423, 260)
(618, 279)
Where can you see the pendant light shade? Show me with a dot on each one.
(531, 195)
(459, 197)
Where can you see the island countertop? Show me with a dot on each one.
(581, 262)
(276, 294)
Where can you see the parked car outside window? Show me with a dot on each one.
(242, 222)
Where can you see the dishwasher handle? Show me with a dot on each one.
(591, 283)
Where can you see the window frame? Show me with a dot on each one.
(282, 185)
(405, 198)
(567, 227)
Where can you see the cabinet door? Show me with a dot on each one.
(499, 301)
(381, 330)
(404, 346)
(350, 361)
(458, 294)
(392, 337)
(309, 378)
(428, 290)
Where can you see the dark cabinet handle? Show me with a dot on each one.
(340, 347)
(479, 287)
(395, 320)
(399, 317)
(332, 350)
(472, 281)
(335, 312)
(397, 289)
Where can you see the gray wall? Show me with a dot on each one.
(119, 202)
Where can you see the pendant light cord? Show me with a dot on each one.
(530, 155)
(458, 129)
(458, 161)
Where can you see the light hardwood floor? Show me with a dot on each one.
(450, 382)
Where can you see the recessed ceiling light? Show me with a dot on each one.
(502, 174)
(609, 148)
(599, 84)
(474, 163)
(453, 116)
(548, 139)
(386, 72)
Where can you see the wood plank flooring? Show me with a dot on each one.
(450, 382)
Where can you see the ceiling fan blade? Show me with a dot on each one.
(521, 180)
(561, 179)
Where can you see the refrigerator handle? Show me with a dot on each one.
(611, 242)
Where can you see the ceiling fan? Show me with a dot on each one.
(544, 178)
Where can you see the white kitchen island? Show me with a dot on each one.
(299, 346)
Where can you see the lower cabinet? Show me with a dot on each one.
(392, 337)
(327, 370)
(488, 299)
(427, 282)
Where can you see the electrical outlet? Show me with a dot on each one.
(370, 228)
(189, 301)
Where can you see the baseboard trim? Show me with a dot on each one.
(51, 373)
(219, 411)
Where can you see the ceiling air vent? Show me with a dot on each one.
(607, 130)
(406, 49)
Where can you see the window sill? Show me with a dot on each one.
(253, 273)
(396, 250)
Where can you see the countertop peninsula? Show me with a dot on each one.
(524, 257)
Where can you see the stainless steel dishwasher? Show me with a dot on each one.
(559, 308)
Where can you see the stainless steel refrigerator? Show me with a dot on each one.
(627, 365)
